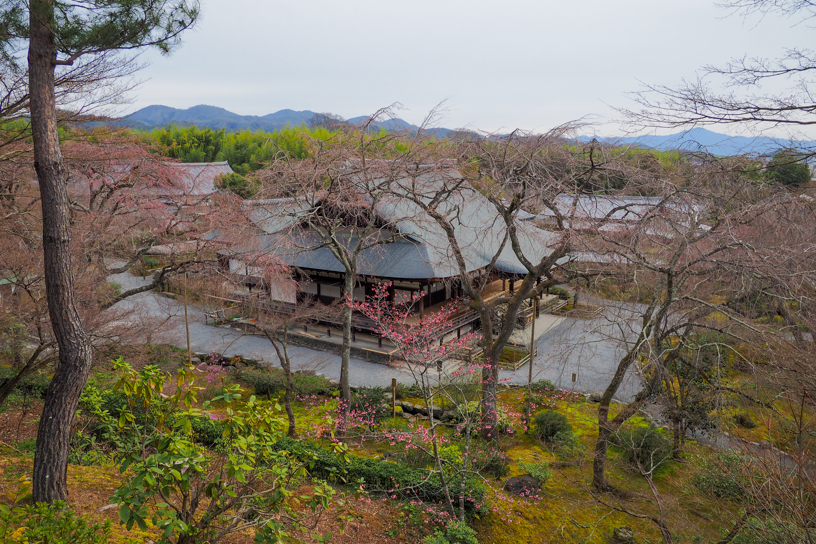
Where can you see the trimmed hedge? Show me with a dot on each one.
(272, 382)
(549, 425)
(404, 482)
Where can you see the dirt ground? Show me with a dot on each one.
(17, 425)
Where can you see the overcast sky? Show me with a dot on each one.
(499, 65)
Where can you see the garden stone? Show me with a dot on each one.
(437, 411)
(745, 421)
(524, 485)
(415, 408)
(622, 535)
(595, 397)
(448, 416)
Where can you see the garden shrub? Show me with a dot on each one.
(206, 431)
(272, 383)
(769, 531)
(400, 480)
(723, 476)
(264, 384)
(408, 391)
(549, 425)
(188, 492)
(33, 385)
(99, 432)
(307, 384)
(490, 460)
(88, 450)
(54, 524)
(744, 420)
(644, 447)
(102, 435)
(539, 471)
(417, 458)
(559, 291)
(455, 533)
(543, 386)
(371, 400)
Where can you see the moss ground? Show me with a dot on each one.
(568, 511)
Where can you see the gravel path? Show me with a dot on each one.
(579, 346)
(586, 347)
(231, 341)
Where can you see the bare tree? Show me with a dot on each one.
(732, 94)
(333, 197)
(509, 174)
(112, 197)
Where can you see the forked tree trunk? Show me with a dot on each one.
(606, 426)
(75, 350)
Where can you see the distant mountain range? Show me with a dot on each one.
(696, 139)
(706, 141)
(217, 118)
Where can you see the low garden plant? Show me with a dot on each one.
(549, 426)
(52, 524)
(194, 493)
(644, 447)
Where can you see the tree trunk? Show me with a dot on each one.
(289, 394)
(490, 380)
(676, 433)
(345, 354)
(283, 356)
(75, 350)
(607, 427)
(599, 460)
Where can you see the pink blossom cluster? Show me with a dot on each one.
(213, 374)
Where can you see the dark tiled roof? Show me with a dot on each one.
(422, 249)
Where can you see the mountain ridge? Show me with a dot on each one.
(694, 140)
(702, 140)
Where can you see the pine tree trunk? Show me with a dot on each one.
(75, 351)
